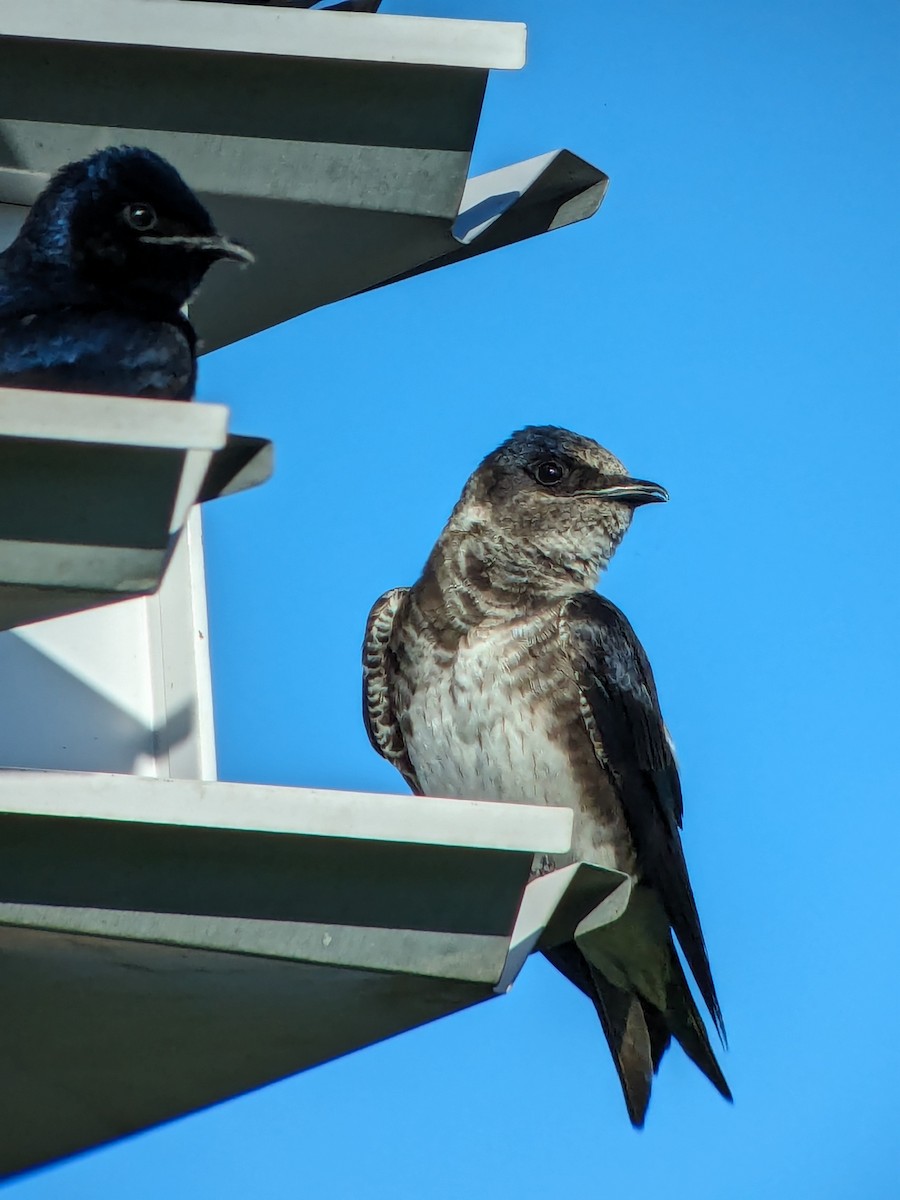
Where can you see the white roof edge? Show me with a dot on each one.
(262, 808)
(119, 420)
(283, 32)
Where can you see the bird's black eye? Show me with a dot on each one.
(140, 217)
(549, 472)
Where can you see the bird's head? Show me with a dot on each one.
(550, 508)
(125, 224)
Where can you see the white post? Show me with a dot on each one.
(124, 689)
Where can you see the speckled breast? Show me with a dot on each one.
(499, 719)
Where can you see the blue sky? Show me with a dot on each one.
(727, 326)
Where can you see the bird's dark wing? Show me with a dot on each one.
(110, 353)
(379, 664)
(621, 713)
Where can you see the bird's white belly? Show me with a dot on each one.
(476, 735)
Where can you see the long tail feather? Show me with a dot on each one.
(637, 1031)
(636, 1046)
(622, 1017)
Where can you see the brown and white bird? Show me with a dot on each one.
(502, 675)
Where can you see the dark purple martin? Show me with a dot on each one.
(93, 287)
(503, 675)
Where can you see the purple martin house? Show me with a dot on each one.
(169, 940)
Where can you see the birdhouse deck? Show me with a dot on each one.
(169, 944)
(95, 492)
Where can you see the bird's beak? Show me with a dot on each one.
(215, 246)
(633, 491)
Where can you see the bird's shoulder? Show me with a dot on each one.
(379, 628)
(379, 668)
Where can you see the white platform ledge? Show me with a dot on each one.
(236, 29)
(169, 944)
(95, 491)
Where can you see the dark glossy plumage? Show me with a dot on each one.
(502, 675)
(91, 290)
